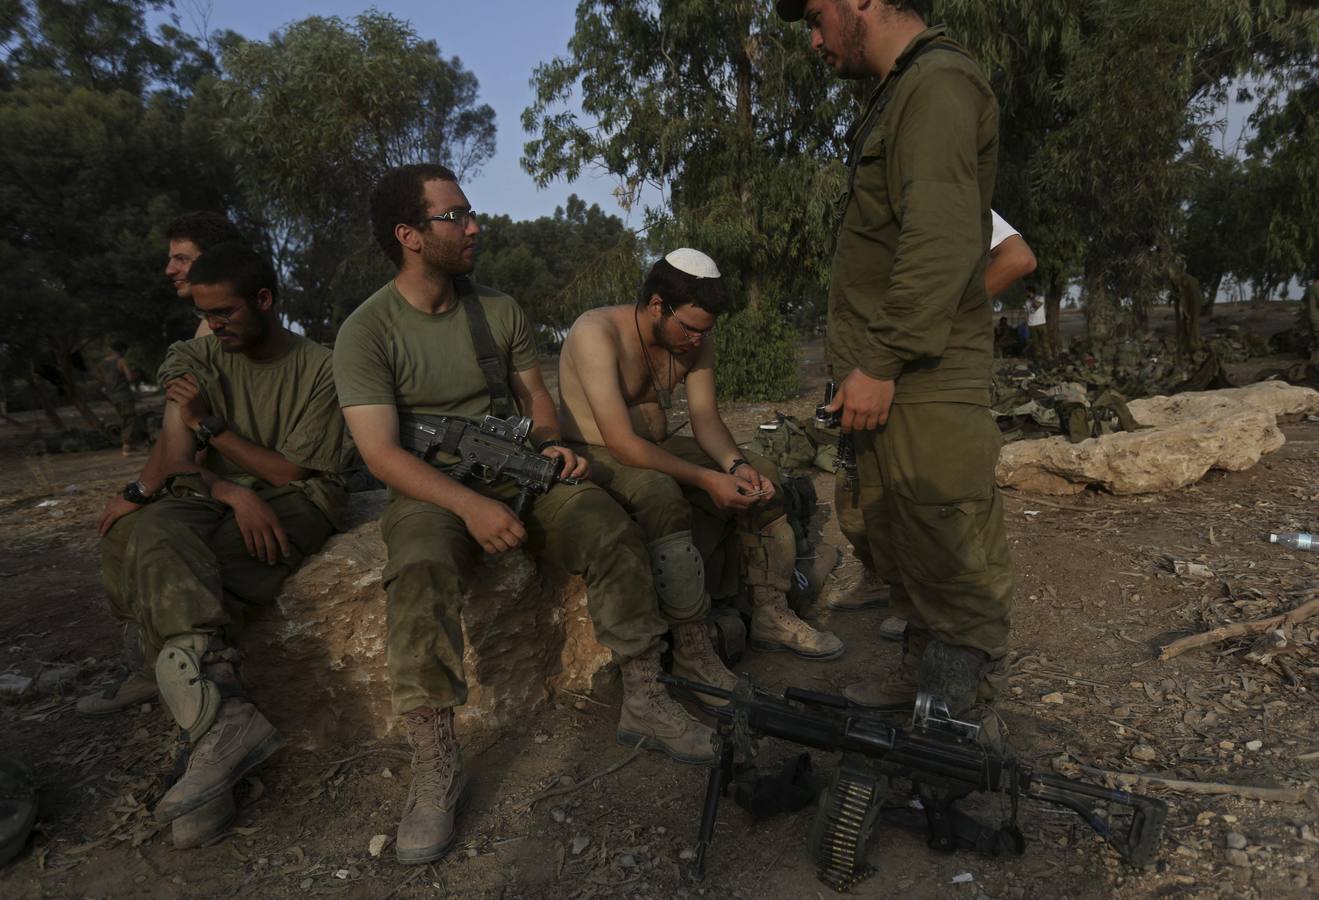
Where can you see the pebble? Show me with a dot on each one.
(1254, 745)
(1236, 841)
(386, 773)
(1226, 745)
(660, 829)
(141, 735)
(1143, 752)
(305, 884)
(342, 874)
(558, 815)
(542, 737)
(687, 854)
(627, 861)
(580, 705)
(471, 853)
(1238, 858)
(1054, 698)
(1229, 818)
(579, 843)
(377, 845)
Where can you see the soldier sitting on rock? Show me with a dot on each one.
(432, 343)
(619, 367)
(191, 556)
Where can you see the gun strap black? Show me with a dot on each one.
(448, 432)
(861, 128)
(487, 357)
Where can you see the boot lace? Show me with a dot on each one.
(434, 760)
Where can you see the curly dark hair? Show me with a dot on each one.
(205, 229)
(238, 266)
(676, 288)
(399, 198)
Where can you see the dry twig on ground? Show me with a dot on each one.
(1238, 629)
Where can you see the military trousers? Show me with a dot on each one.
(180, 566)
(759, 542)
(578, 528)
(934, 521)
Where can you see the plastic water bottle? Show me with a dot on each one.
(1296, 540)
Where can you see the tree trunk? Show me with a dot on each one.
(1211, 296)
(1053, 315)
(52, 415)
(1100, 314)
(64, 360)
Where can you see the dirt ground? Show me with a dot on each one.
(1097, 595)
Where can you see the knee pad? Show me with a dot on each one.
(192, 698)
(679, 574)
(768, 555)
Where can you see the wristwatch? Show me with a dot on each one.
(738, 461)
(136, 492)
(552, 442)
(208, 429)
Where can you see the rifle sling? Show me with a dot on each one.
(487, 357)
(448, 432)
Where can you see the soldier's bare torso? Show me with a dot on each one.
(613, 331)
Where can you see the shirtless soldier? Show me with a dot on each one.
(618, 369)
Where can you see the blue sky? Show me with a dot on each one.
(500, 41)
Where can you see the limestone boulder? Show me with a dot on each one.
(1190, 434)
(317, 660)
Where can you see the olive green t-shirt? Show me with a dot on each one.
(287, 405)
(388, 352)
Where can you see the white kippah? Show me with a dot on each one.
(693, 262)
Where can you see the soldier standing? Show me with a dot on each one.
(910, 326)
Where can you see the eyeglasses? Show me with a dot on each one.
(217, 317)
(459, 217)
(687, 329)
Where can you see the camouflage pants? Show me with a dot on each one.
(728, 541)
(934, 521)
(579, 528)
(180, 566)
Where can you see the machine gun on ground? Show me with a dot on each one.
(939, 755)
(495, 450)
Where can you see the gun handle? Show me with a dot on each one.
(523, 503)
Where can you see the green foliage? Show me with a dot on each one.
(756, 356)
(539, 262)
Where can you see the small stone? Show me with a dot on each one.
(579, 843)
(558, 815)
(378, 844)
(687, 854)
(141, 735)
(660, 829)
(305, 884)
(1238, 858)
(1055, 698)
(471, 853)
(1143, 752)
(1252, 746)
(1229, 818)
(1236, 841)
(541, 737)
(627, 861)
(342, 874)
(139, 879)
(566, 781)
(579, 705)
(386, 773)
(1226, 745)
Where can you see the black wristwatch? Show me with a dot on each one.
(136, 492)
(738, 461)
(208, 429)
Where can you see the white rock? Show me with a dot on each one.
(378, 844)
(1254, 745)
(580, 843)
(1191, 434)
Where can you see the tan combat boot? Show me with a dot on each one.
(868, 592)
(653, 719)
(205, 823)
(694, 659)
(439, 784)
(239, 739)
(775, 627)
(896, 688)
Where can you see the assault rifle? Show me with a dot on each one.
(494, 450)
(938, 755)
(845, 454)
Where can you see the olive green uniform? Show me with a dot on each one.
(179, 565)
(662, 507)
(390, 353)
(908, 303)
